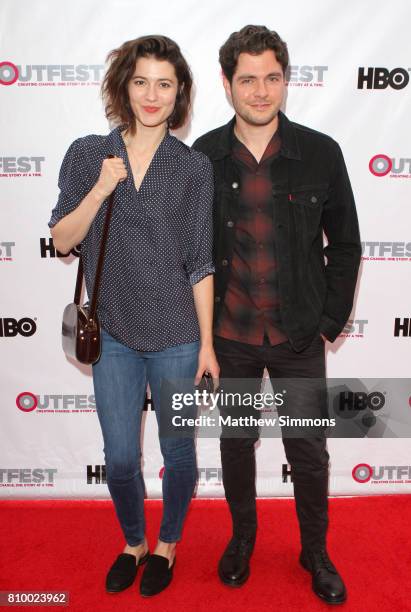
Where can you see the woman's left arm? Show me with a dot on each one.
(203, 292)
(199, 264)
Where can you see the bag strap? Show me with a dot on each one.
(79, 281)
(99, 269)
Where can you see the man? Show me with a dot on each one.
(279, 186)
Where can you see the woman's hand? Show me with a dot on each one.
(73, 228)
(207, 362)
(113, 170)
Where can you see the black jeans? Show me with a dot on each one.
(308, 457)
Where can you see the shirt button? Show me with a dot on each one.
(217, 299)
(234, 185)
(224, 262)
(313, 199)
(262, 281)
(260, 245)
(258, 208)
(230, 223)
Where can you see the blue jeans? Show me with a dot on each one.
(120, 379)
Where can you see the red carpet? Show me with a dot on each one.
(69, 545)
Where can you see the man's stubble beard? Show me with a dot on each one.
(251, 119)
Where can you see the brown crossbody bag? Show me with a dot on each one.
(81, 332)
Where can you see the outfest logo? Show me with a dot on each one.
(306, 76)
(6, 250)
(27, 477)
(381, 474)
(49, 75)
(21, 166)
(386, 251)
(56, 403)
(354, 328)
(381, 165)
(61, 402)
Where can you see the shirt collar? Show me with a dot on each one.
(115, 143)
(287, 133)
(239, 150)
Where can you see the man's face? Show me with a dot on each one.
(257, 88)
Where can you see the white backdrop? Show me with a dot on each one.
(51, 63)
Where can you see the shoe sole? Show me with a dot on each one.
(122, 589)
(328, 601)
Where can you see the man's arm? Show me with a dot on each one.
(343, 251)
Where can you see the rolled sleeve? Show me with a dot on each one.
(73, 188)
(200, 255)
(198, 275)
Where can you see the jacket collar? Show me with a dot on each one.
(288, 135)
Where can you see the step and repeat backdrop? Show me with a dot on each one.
(349, 77)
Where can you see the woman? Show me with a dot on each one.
(155, 303)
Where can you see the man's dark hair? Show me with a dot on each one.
(122, 62)
(254, 40)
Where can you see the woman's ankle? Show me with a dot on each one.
(166, 549)
(138, 550)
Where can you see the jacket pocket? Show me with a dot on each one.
(310, 196)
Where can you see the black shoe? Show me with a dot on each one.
(234, 568)
(327, 583)
(156, 576)
(123, 572)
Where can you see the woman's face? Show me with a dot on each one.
(152, 91)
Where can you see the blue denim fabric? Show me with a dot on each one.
(120, 380)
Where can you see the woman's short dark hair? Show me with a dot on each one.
(254, 40)
(122, 62)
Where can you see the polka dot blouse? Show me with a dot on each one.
(159, 242)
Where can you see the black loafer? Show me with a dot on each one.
(327, 583)
(156, 576)
(234, 565)
(123, 572)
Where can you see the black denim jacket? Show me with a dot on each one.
(311, 195)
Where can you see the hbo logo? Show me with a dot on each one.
(381, 78)
(361, 400)
(11, 327)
